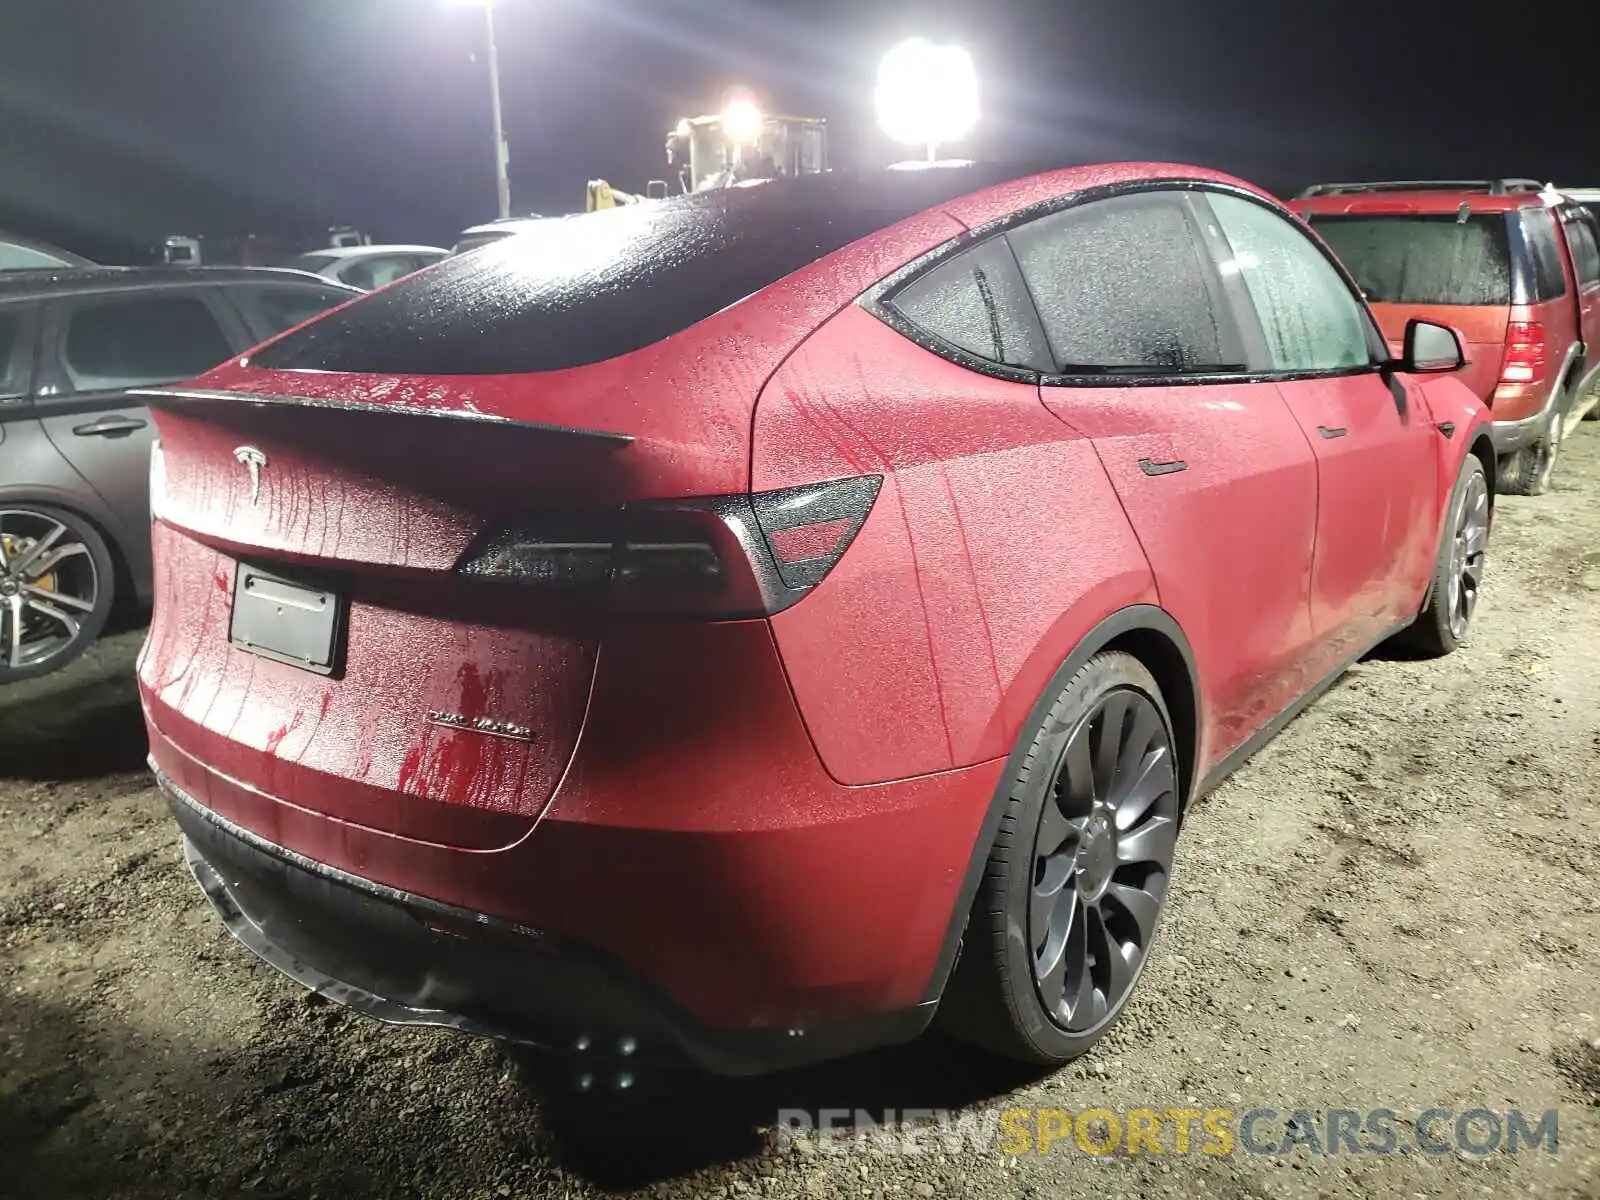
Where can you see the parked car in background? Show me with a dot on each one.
(492, 231)
(25, 254)
(1511, 264)
(908, 549)
(75, 448)
(366, 267)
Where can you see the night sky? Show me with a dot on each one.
(124, 120)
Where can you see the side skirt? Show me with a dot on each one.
(1274, 727)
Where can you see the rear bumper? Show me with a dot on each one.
(412, 961)
(1511, 436)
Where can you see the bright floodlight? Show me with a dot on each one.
(741, 121)
(927, 94)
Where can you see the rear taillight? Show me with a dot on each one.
(1524, 360)
(718, 556)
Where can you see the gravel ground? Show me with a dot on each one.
(1394, 905)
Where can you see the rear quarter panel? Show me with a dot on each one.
(994, 546)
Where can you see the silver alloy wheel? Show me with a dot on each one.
(1467, 553)
(49, 585)
(1102, 859)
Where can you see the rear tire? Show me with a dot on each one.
(1528, 472)
(1077, 879)
(1458, 570)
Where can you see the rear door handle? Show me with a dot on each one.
(1331, 433)
(1151, 467)
(109, 427)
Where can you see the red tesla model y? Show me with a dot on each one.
(724, 631)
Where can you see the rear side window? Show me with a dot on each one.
(139, 340)
(375, 272)
(569, 291)
(1539, 232)
(1585, 251)
(1311, 320)
(283, 308)
(312, 262)
(976, 302)
(1423, 258)
(1122, 285)
(16, 357)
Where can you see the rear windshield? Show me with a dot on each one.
(1424, 259)
(571, 291)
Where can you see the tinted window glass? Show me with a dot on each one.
(1121, 284)
(1539, 228)
(1585, 251)
(574, 290)
(139, 340)
(309, 262)
(473, 240)
(284, 308)
(15, 356)
(18, 258)
(977, 303)
(1423, 259)
(370, 273)
(1311, 319)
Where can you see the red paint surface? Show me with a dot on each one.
(995, 544)
(1378, 511)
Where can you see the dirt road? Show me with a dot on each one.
(1395, 905)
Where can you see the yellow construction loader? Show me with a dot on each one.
(741, 144)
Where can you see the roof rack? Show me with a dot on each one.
(1495, 187)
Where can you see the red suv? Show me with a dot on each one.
(730, 628)
(1512, 265)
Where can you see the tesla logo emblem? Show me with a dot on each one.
(253, 460)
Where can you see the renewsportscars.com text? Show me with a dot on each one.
(1177, 1131)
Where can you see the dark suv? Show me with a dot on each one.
(1511, 264)
(75, 450)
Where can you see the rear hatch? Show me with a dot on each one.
(341, 511)
(1448, 268)
(314, 642)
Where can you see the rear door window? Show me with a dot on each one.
(1539, 233)
(129, 341)
(374, 272)
(16, 353)
(1585, 250)
(1311, 319)
(976, 302)
(1124, 285)
(1423, 258)
(272, 310)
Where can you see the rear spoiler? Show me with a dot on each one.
(182, 398)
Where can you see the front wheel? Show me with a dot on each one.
(1458, 571)
(1076, 882)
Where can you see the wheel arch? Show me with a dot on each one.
(1151, 635)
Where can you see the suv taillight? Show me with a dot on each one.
(718, 557)
(1524, 360)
